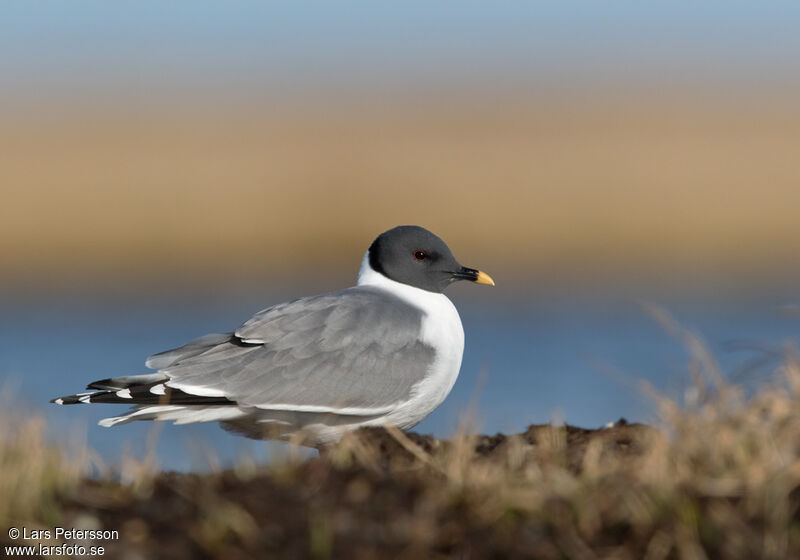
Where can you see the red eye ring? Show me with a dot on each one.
(420, 255)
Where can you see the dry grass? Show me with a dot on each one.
(720, 478)
(35, 472)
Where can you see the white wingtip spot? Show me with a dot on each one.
(124, 393)
(59, 401)
(196, 390)
(159, 389)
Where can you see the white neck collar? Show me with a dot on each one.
(368, 276)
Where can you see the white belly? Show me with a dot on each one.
(442, 330)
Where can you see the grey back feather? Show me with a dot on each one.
(354, 348)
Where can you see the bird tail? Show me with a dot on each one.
(116, 389)
(153, 400)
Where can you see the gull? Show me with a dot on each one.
(385, 352)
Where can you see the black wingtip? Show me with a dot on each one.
(68, 399)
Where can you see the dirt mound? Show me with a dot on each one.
(377, 495)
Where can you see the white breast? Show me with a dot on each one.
(441, 329)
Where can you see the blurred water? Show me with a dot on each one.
(528, 358)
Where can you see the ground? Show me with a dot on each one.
(379, 500)
(716, 478)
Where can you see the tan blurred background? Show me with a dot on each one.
(665, 168)
(168, 168)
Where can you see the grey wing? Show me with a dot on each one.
(193, 348)
(356, 351)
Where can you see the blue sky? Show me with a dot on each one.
(287, 46)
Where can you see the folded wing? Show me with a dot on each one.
(351, 352)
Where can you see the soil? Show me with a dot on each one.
(394, 507)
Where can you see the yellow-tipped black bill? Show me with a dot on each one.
(474, 275)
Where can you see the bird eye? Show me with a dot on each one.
(420, 255)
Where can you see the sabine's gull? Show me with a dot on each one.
(386, 351)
